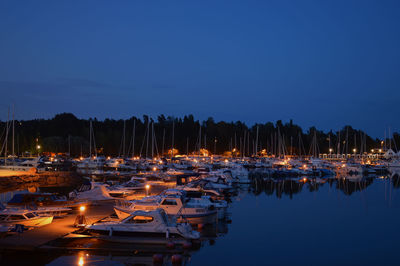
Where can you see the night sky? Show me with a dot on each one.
(323, 63)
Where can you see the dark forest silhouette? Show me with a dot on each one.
(66, 132)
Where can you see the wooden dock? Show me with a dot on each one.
(37, 237)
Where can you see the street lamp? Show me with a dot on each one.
(38, 149)
(147, 189)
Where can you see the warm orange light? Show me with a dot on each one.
(81, 262)
(82, 208)
(147, 187)
(154, 168)
(304, 179)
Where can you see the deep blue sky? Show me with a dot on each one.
(323, 63)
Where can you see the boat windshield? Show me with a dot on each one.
(29, 215)
(140, 219)
(169, 202)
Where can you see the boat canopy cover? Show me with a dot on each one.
(18, 198)
(29, 197)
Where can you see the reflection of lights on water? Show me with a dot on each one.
(81, 261)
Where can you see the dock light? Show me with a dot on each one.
(147, 189)
(154, 168)
(82, 208)
(304, 179)
(81, 261)
(38, 147)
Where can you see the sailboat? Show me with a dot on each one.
(13, 168)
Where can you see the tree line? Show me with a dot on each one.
(147, 136)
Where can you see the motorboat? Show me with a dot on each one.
(140, 223)
(92, 163)
(174, 204)
(44, 200)
(29, 218)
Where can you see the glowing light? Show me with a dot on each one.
(380, 150)
(147, 187)
(38, 147)
(81, 262)
(226, 160)
(304, 179)
(154, 168)
(82, 208)
(372, 150)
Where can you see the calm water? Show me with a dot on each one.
(328, 222)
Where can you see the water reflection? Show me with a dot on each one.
(291, 186)
(220, 238)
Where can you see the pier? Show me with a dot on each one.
(38, 237)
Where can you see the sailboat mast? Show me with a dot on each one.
(152, 140)
(6, 139)
(163, 141)
(90, 138)
(13, 133)
(173, 136)
(147, 138)
(133, 138)
(199, 138)
(123, 140)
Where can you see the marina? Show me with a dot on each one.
(191, 133)
(104, 222)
